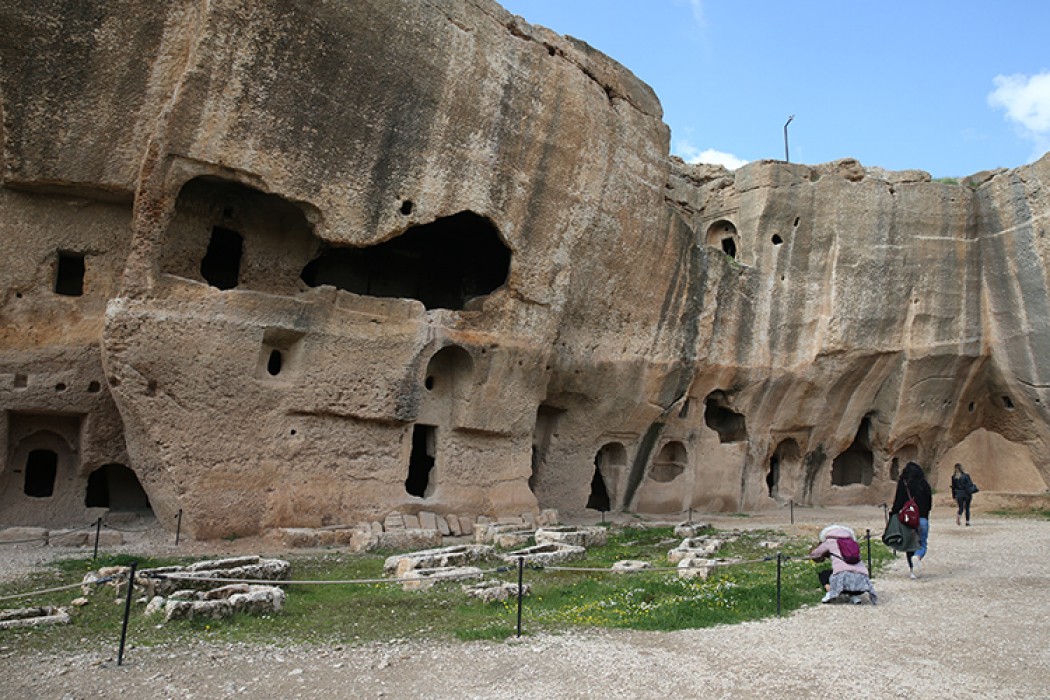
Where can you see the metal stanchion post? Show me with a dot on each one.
(867, 536)
(792, 503)
(521, 576)
(690, 516)
(178, 527)
(127, 612)
(98, 528)
(885, 512)
(780, 559)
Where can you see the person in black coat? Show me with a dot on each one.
(913, 484)
(962, 491)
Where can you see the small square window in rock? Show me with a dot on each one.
(21, 381)
(69, 274)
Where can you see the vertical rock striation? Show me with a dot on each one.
(339, 259)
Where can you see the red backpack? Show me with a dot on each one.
(909, 514)
(849, 550)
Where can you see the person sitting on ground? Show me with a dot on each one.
(843, 578)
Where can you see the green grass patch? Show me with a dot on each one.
(1034, 513)
(560, 601)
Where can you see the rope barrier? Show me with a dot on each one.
(60, 588)
(118, 529)
(51, 535)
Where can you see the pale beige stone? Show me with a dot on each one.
(703, 339)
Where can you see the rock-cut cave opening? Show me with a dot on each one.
(443, 264)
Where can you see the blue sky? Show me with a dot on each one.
(952, 88)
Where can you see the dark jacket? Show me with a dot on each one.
(913, 480)
(961, 487)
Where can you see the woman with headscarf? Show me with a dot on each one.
(913, 484)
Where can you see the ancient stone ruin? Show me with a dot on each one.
(298, 265)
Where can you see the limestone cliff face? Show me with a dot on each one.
(374, 256)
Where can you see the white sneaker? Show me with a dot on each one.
(827, 598)
(912, 574)
(916, 568)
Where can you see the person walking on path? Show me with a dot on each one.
(913, 484)
(963, 490)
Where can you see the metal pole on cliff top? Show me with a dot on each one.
(178, 527)
(792, 511)
(787, 158)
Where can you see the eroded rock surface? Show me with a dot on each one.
(271, 265)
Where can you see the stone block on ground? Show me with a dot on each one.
(33, 617)
(579, 536)
(550, 554)
(422, 579)
(457, 555)
(408, 539)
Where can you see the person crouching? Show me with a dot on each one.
(843, 578)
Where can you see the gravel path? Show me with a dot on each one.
(974, 626)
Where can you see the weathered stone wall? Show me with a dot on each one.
(375, 256)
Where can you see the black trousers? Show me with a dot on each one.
(964, 504)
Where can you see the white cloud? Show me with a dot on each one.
(696, 7)
(1026, 100)
(692, 154)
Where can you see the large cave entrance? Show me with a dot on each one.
(443, 264)
(116, 487)
(857, 464)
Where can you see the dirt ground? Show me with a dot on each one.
(974, 625)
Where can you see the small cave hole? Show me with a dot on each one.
(406, 207)
(729, 247)
(773, 476)
(421, 461)
(429, 383)
(798, 220)
(94, 387)
(21, 381)
(60, 387)
(41, 470)
(1008, 404)
(293, 432)
(777, 240)
(730, 425)
(221, 265)
(69, 274)
(599, 496)
(273, 364)
(971, 407)
(151, 387)
(670, 463)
